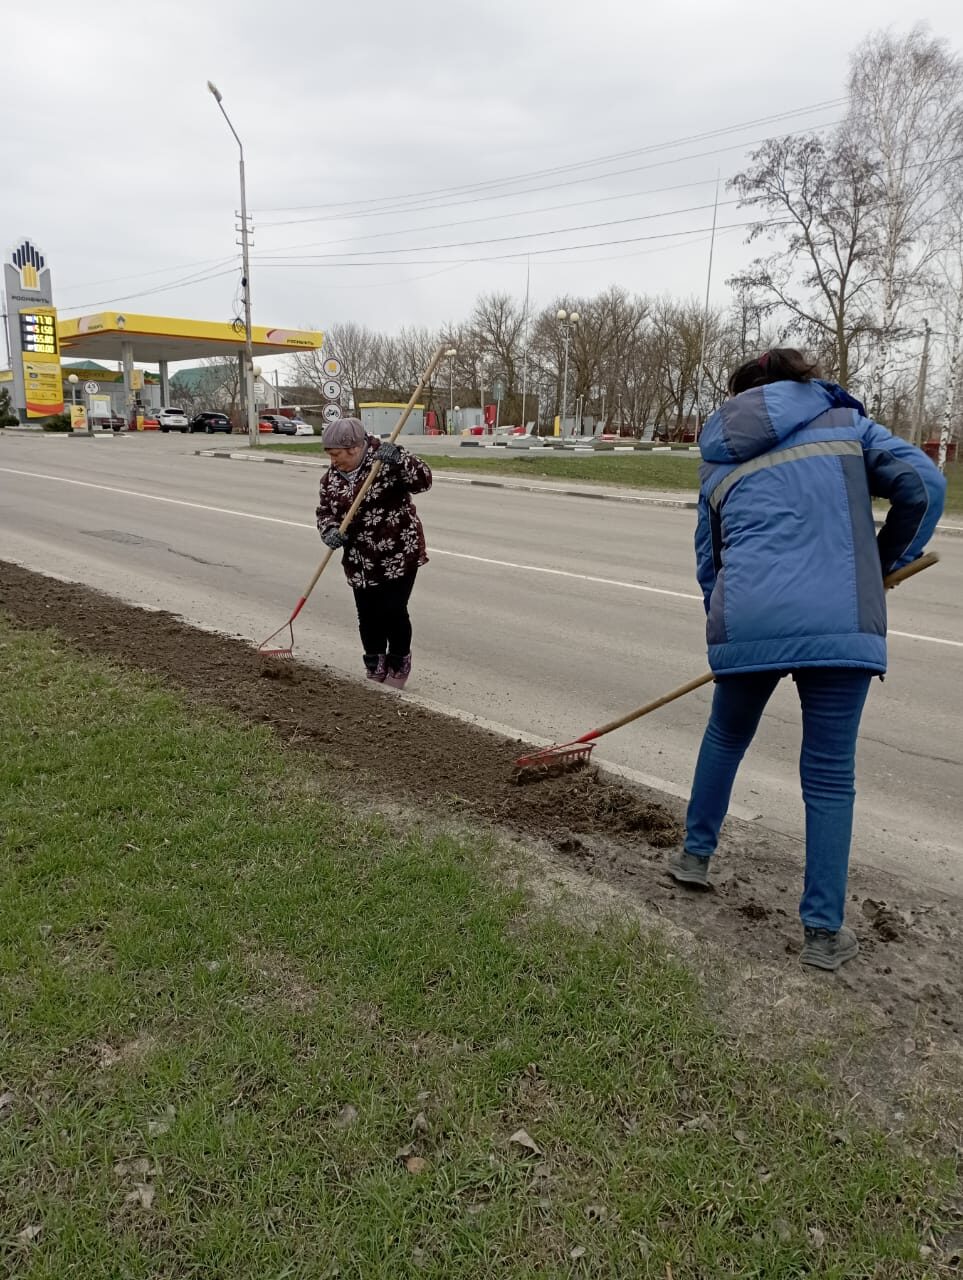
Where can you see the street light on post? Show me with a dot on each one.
(567, 320)
(248, 379)
(451, 353)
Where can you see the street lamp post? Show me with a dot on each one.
(247, 381)
(451, 353)
(567, 320)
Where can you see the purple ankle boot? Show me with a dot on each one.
(398, 671)
(376, 666)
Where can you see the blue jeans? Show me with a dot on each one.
(832, 702)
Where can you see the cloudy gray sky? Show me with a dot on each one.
(117, 161)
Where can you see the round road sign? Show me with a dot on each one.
(331, 367)
(91, 388)
(331, 390)
(331, 412)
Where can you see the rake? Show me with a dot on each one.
(273, 647)
(566, 757)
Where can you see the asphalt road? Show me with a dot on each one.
(542, 613)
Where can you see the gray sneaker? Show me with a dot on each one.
(686, 868)
(825, 950)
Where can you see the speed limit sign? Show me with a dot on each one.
(331, 390)
(331, 412)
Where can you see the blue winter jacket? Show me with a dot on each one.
(788, 558)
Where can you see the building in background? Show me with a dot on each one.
(381, 416)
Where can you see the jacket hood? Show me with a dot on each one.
(757, 420)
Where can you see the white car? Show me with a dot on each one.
(302, 428)
(172, 420)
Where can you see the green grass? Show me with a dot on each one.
(954, 488)
(637, 471)
(634, 470)
(264, 998)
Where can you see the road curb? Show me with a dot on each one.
(440, 477)
(639, 499)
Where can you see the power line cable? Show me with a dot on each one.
(571, 167)
(526, 235)
(552, 186)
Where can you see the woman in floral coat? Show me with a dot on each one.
(384, 545)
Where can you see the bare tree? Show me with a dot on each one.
(215, 386)
(354, 346)
(953, 309)
(499, 321)
(906, 120)
(819, 199)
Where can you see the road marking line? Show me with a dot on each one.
(567, 573)
(156, 497)
(912, 635)
(437, 551)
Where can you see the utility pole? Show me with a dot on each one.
(921, 387)
(705, 316)
(528, 284)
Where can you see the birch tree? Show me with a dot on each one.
(816, 198)
(906, 120)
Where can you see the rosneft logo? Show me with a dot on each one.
(29, 261)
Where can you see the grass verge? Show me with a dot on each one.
(633, 470)
(247, 1033)
(636, 471)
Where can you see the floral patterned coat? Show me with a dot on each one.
(385, 540)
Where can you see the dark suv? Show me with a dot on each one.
(210, 422)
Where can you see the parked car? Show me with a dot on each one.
(172, 420)
(210, 422)
(279, 424)
(302, 428)
(265, 423)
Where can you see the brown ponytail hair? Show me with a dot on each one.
(781, 364)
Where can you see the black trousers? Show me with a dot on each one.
(383, 616)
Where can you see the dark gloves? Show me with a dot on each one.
(333, 538)
(388, 453)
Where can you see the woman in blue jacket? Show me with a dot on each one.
(791, 570)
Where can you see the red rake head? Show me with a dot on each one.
(272, 647)
(553, 760)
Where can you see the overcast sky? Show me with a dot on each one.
(117, 162)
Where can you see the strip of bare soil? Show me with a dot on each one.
(422, 760)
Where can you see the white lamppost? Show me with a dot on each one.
(567, 320)
(248, 387)
(451, 353)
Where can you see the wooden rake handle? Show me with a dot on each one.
(890, 581)
(373, 473)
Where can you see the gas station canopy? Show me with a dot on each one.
(159, 339)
